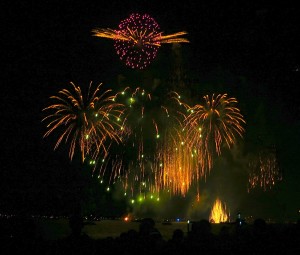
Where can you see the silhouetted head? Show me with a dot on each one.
(146, 226)
(177, 235)
(259, 225)
(202, 227)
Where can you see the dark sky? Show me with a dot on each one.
(250, 50)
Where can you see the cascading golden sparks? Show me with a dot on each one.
(163, 149)
(89, 122)
(182, 154)
(158, 155)
(264, 170)
(178, 162)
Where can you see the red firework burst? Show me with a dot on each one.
(140, 49)
(137, 39)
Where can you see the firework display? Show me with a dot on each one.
(133, 160)
(138, 39)
(179, 164)
(152, 145)
(140, 159)
(158, 148)
(264, 170)
(88, 122)
(210, 125)
(159, 151)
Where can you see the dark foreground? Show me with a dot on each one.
(20, 236)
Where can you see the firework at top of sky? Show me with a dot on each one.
(137, 39)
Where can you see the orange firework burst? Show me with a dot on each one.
(219, 212)
(138, 38)
(212, 124)
(89, 122)
(153, 157)
(160, 151)
(264, 170)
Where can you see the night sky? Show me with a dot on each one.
(249, 51)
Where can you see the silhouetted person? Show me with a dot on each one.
(77, 242)
(146, 226)
(178, 236)
(224, 242)
(76, 225)
(149, 236)
(200, 238)
(176, 244)
(261, 240)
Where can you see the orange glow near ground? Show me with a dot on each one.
(218, 213)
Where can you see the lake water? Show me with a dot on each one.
(55, 229)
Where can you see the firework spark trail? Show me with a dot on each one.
(142, 121)
(137, 39)
(178, 166)
(88, 122)
(264, 171)
(136, 128)
(172, 38)
(177, 162)
(168, 156)
(210, 125)
(175, 167)
(148, 154)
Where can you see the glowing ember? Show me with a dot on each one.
(218, 213)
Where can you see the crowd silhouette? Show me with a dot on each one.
(20, 236)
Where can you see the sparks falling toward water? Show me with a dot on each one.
(264, 171)
(89, 122)
(138, 39)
